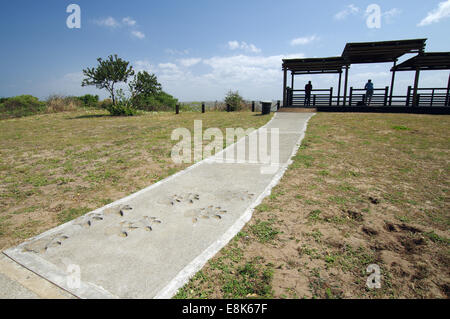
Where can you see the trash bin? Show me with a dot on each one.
(266, 106)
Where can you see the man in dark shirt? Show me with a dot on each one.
(308, 89)
(369, 92)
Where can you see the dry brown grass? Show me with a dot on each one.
(363, 189)
(56, 167)
(56, 104)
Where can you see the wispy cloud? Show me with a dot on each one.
(434, 16)
(108, 22)
(304, 40)
(177, 52)
(129, 21)
(351, 9)
(189, 62)
(392, 13)
(235, 45)
(138, 34)
(143, 65)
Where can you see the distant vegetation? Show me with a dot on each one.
(24, 105)
(235, 100)
(145, 94)
(145, 90)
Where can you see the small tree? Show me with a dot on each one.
(144, 84)
(234, 100)
(107, 74)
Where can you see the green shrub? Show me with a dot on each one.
(89, 100)
(123, 106)
(21, 105)
(121, 109)
(161, 101)
(235, 101)
(105, 104)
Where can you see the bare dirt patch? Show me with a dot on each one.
(360, 191)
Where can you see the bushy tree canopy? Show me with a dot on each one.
(234, 99)
(145, 84)
(108, 72)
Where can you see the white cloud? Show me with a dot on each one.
(126, 22)
(129, 21)
(168, 66)
(392, 13)
(143, 65)
(177, 52)
(303, 40)
(349, 10)
(441, 12)
(234, 45)
(109, 22)
(256, 77)
(189, 62)
(138, 34)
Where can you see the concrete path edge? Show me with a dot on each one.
(193, 267)
(197, 264)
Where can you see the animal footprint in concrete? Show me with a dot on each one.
(189, 198)
(121, 211)
(245, 195)
(90, 220)
(211, 211)
(146, 223)
(42, 245)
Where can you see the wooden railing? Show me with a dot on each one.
(379, 97)
(426, 97)
(319, 97)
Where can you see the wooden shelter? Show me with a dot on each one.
(428, 61)
(357, 53)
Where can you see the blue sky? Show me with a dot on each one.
(201, 49)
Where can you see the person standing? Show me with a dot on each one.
(308, 89)
(369, 92)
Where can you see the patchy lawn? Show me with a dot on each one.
(56, 167)
(363, 189)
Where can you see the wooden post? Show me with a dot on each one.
(432, 97)
(351, 96)
(253, 106)
(392, 83)
(416, 85)
(345, 84)
(386, 92)
(177, 109)
(331, 96)
(278, 105)
(339, 88)
(203, 107)
(408, 95)
(314, 100)
(447, 97)
(292, 80)
(284, 86)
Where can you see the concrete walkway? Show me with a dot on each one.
(150, 243)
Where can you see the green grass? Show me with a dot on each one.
(363, 189)
(72, 213)
(52, 162)
(264, 231)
